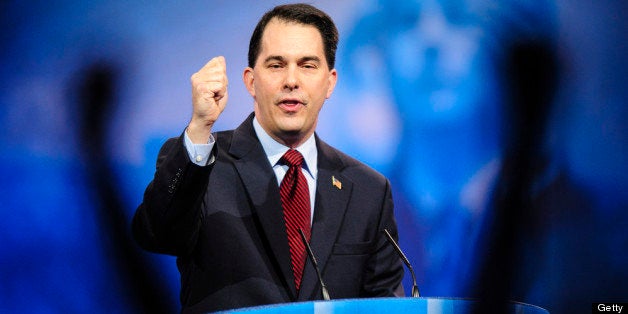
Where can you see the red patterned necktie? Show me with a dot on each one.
(295, 199)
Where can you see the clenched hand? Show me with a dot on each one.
(209, 98)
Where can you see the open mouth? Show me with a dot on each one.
(291, 105)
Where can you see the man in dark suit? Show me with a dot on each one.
(229, 204)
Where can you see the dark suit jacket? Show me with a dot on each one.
(224, 222)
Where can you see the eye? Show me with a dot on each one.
(309, 66)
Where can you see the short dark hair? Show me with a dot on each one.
(303, 14)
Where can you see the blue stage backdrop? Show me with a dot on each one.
(441, 96)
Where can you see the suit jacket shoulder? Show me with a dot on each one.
(351, 168)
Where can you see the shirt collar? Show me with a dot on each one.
(275, 150)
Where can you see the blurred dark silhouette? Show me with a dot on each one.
(517, 230)
(97, 103)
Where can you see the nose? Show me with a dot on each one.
(291, 80)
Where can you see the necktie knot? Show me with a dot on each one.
(292, 158)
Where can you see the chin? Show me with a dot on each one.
(291, 129)
(291, 124)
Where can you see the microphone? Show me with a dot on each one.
(313, 259)
(415, 288)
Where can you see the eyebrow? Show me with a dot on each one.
(282, 59)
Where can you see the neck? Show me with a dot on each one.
(292, 141)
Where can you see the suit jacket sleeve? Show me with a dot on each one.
(169, 217)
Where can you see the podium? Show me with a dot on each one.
(385, 305)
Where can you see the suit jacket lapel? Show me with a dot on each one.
(330, 207)
(261, 184)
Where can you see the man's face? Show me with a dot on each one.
(290, 81)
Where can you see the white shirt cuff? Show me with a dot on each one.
(200, 153)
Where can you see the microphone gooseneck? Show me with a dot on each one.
(415, 288)
(313, 259)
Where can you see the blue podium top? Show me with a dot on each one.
(384, 305)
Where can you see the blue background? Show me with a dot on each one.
(422, 97)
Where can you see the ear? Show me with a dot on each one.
(249, 79)
(333, 78)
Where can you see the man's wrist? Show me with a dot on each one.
(198, 133)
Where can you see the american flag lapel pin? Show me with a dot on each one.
(335, 182)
